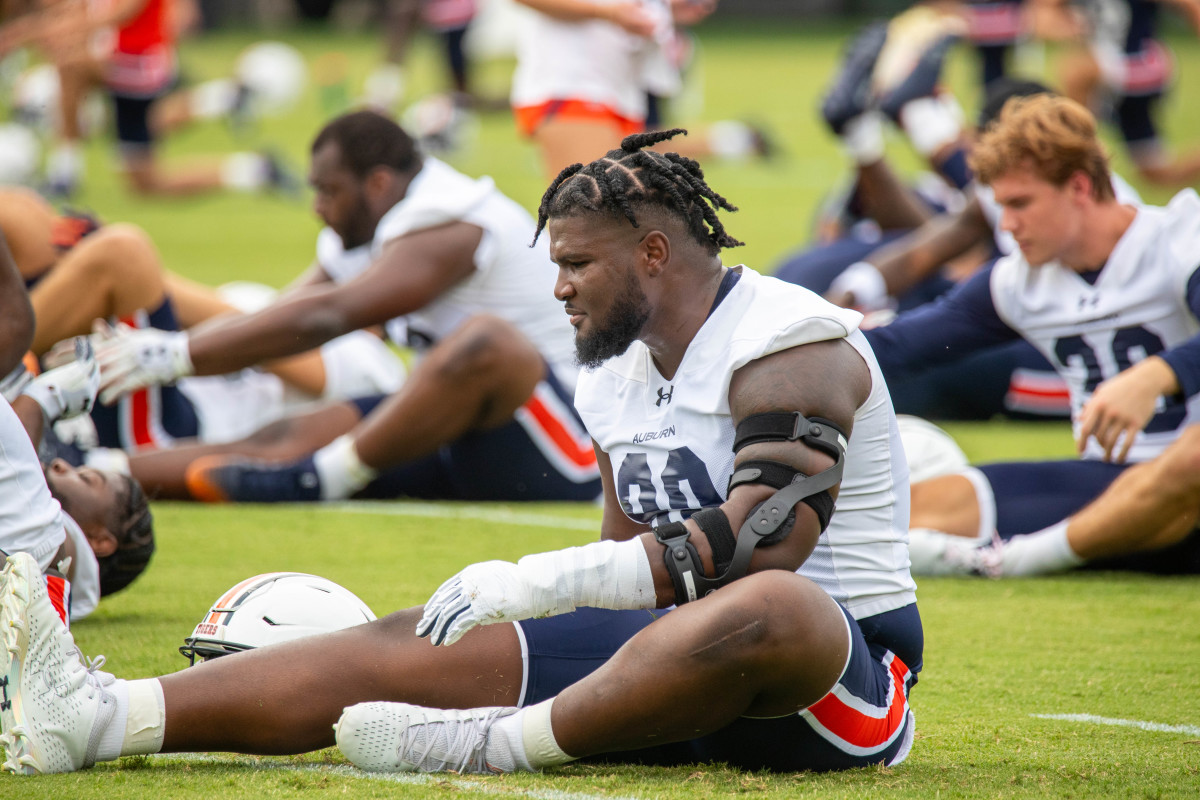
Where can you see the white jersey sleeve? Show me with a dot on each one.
(31, 520)
(340, 264)
(85, 573)
(511, 280)
(671, 441)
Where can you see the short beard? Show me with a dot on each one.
(620, 329)
(358, 234)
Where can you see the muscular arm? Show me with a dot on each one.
(961, 322)
(799, 379)
(16, 313)
(909, 260)
(410, 272)
(826, 379)
(883, 197)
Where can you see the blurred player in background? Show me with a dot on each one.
(586, 73)
(896, 248)
(446, 266)
(128, 48)
(78, 270)
(449, 20)
(1108, 292)
(1123, 72)
(92, 528)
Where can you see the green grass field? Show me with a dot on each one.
(1002, 658)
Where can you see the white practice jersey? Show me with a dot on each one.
(1137, 307)
(32, 521)
(340, 264)
(1005, 243)
(671, 441)
(85, 573)
(511, 280)
(594, 61)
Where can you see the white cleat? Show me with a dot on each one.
(53, 707)
(398, 737)
(934, 553)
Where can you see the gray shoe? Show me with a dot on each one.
(398, 737)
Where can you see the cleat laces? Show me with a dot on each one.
(460, 741)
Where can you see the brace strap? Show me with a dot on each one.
(788, 427)
(778, 475)
(681, 557)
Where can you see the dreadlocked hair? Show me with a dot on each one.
(631, 176)
(133, 526)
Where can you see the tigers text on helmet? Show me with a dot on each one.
(271, 608)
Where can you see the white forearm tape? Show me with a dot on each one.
(607, 574)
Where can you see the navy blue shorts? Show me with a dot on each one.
(1031, 495)
(132, 116)
(545, 453)
(815, 267)
(864, 720)
(1135, 118)
(152, 417)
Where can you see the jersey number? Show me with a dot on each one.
(1125, 344)
(684, 480)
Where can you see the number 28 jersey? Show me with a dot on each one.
(1136, 307)
(671, 441)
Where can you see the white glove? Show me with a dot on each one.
(604, 575)
(133, 359)
(12, 384)
(69, 390)
(864, 284)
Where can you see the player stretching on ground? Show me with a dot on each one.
(701, 378)
(1108, 292)
(486, 413)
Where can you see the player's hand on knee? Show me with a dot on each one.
(68, 390)
(482, 594)
(132, 359)
(1123, 405)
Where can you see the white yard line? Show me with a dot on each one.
(1157, 727)
(481, 786)
(474, 511)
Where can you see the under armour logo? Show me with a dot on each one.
(664, 396)
(1085, 301)
(5, 703)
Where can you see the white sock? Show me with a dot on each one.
(213, 99)
(244, 172)
(862, 138)
(109, 748)
(730, 138)
(137, 726)
(1039, 553)
(341, 471)
(384, 87)
(932, 123)
(65, 163)
(524, 741)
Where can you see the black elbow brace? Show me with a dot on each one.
(771, 522)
